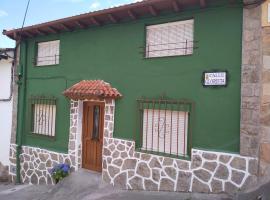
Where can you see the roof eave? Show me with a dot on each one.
(110, 15)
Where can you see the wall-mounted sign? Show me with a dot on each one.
(215, 79)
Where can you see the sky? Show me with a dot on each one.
(12, 12)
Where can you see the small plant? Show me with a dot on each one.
(59, 172)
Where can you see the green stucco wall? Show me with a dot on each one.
(113, 53)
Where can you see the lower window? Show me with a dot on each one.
(43, 116)
(165, 126)
(165, 131)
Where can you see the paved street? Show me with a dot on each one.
(87, 186)
(23, 192)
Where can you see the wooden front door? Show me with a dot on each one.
(92, 135)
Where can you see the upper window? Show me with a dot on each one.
(48, 53)
(169, 39)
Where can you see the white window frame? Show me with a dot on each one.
(48, 53)
(170, 39)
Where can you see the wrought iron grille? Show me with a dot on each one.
(165, 126)
(47, 60)
(170, 49)
(170, 39)
(43, 115)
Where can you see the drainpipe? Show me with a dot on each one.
(21, 106)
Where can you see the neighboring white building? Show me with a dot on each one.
(6, 59)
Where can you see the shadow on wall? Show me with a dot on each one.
(4, 177)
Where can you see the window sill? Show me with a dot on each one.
(36, 135)
(160, 57)
(52, 65)
(187, 157)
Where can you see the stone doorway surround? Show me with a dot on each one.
(96, 91)
(75, 138)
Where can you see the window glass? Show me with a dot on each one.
(96, 121)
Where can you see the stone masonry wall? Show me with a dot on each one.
(36, 163)
(251, 82)
(74, 146)
(255, 109)
(265, 107)
(206, 172)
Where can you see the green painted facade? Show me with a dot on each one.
(113, 53)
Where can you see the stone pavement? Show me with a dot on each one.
(85, 185)
(261, 192)
(23, 192)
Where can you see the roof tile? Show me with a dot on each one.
(87, 89)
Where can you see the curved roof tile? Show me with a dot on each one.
(87, 89)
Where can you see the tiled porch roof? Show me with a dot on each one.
(87, 89)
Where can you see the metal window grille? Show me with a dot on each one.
(170, 39)
(48, 53)
(43, 115)
(165, 126)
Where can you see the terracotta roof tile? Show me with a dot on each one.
(92, 88)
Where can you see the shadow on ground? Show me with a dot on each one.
(85, 185)
(258, 193)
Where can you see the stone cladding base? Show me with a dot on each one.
(206, 172)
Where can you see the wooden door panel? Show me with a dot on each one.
(93, 120)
